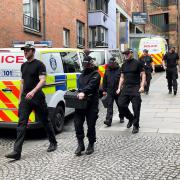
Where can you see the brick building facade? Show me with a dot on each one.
(24, 20)
(163, 19)
(178, 41)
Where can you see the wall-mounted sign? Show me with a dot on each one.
(139, 18)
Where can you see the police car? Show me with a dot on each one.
(63, 67)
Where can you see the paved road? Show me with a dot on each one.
(153, 154)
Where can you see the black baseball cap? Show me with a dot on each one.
(88, 59)
(28, 46)
(127, 51)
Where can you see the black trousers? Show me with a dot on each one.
(172, 76)
(124, 101)
(111, 99)
(148, 81)
(25, 109)
(91, 116)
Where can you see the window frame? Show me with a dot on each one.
(79, 44)
(98, 5)
(31, 19)
(66, 37)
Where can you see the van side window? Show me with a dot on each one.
(99, 57)
(52, 62)
(70, 62)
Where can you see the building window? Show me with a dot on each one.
(95, 5)
(31, 14)
(160, 20)
(98, 36)
(66, 39)
(80, 35)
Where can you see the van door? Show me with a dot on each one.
(72, 69)
(55, 74)
(10, 75)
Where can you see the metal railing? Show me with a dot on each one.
(31, 23)
(164, 28)
(161, 3)
(95, 44)
(80, 42)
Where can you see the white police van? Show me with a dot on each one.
(63, 67)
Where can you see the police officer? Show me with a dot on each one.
(149, 68)
(110, 85)
(170, 62)
(32, 98)
(89, 82)
(130, 86)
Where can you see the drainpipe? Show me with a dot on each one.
(44, 20)
(87, 36)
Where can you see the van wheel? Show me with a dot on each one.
(58, 119)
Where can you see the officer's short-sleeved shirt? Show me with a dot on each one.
(132, 77)
(30, 74)
(146, 62)
(132, 70)
(171, 60)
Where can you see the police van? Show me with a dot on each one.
(157, 47)
(63, 67)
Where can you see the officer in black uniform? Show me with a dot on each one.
(170, 62)
(110, 86)
(89, 82)
(149, 68)
(32, 98)
(131, 84)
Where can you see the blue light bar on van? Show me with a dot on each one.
(19, 44)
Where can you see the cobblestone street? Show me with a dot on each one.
(152, 154)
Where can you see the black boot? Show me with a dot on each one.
(90, 148)
(52, 147)
(107, 122)
(170, 91)
(14, 155)
(175, 93)
(129, 124)
(80, 147)
(135, 130)
(121, 120)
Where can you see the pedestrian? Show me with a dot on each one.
(149, 68)
(170, 62)
(110, 86)
(89, 82)
(131, 84)
(32, 98)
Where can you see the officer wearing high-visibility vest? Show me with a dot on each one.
(131, 84)
(89, 82)
(170, 62)
(149, 68)
(110, 85)
(32, 98)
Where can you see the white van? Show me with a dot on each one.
(157, 47)
(63, 67)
